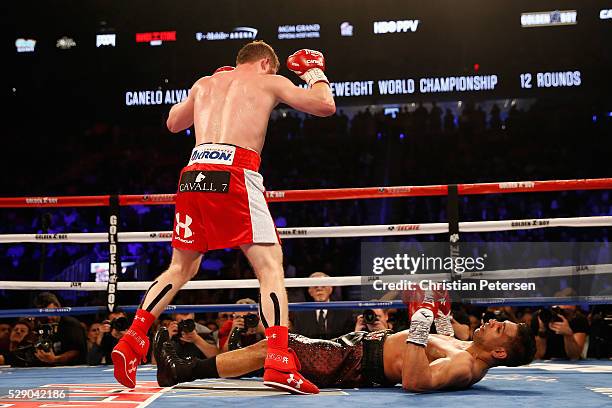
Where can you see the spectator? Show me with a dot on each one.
(69, 342)
(561, 332)
(322, 323)
(191, 339)
(19, 337)
(5, 333)
(244, 329)
(109, 333)
(92, 335)
(212, 326)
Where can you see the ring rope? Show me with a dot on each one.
(82, 310)
(331, 232)
(526, 273)
(325, 194)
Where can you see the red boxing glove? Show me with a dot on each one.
(224, 68)
(308, 65)
(417, 298)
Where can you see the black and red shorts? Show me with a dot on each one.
(349, 361)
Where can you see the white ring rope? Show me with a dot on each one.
(528, 273)
(332, 232)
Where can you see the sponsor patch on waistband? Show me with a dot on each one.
(213, 154)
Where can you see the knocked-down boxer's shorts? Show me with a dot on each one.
(220, 202)
(352, 360)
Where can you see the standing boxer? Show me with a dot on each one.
(220, 201)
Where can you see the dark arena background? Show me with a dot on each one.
(457, 124)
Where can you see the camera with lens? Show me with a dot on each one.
(251, 320)
(120, 323)
(369, 316)
(552, 315)
(237, 336)
(557, 312)
(44, 341)
(186, 326)
(26, 355)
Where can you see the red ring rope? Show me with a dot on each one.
(326, 194)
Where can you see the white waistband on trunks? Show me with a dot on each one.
(213, 153)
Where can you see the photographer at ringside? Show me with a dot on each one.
(110, 331)
(244, 329)
(560, 332)
(191, 339)
(61, 339)
(372, 320)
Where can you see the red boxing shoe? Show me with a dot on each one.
(127, 354)
(281, 372)
(282, 365)
(132, 349)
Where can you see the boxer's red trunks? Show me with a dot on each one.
(220, 201)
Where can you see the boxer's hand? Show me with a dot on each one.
(308, 65)
(420, 323)
(224, 68)
(443, 319)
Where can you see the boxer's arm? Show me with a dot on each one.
(181, 114)
(418, 375)
(317, 100)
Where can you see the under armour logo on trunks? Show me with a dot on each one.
(183, 225)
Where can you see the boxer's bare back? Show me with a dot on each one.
(234, 106)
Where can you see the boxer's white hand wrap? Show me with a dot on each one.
(314, 75)
(444, 325)
(420, 325)
(443, 319)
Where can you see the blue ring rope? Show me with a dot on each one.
(84, 310)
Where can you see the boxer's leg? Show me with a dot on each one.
(134, 345)
(183, 267)
(171, 369)
(243, 361)
(267, 262)
(281, 364)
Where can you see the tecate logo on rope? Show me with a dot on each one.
(160, 235)
(405, 227)
(394, 189)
